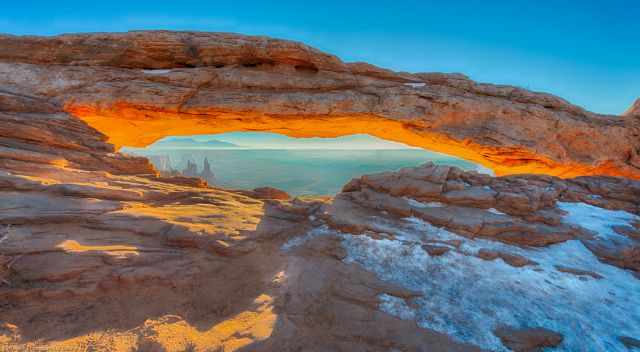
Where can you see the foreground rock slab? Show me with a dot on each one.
(146, 263)
(528, 340)
(516, 251)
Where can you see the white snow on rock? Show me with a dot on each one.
(600, 221)
(467, 297)
(495, 211)
(396, 306)
(300, 240)
(156, 72)
(417, 204)
(415, 84)
(4, 233)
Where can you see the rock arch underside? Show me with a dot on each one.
(97, 251)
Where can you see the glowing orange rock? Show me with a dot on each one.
(141, 86)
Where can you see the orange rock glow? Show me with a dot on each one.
(129, 125)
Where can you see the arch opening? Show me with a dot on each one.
(299, 166)
(132, 126)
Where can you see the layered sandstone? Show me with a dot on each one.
(120, 259)
(634, 110)
(509, 263)
(524, 210)
(98, 252)
(138, 87)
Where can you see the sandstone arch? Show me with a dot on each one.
(95, 243)
(140, 86)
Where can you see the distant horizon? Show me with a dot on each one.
(583, 51)
(273, 141)
(296, 171)
(257, 148)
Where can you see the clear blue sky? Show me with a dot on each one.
(587, 51)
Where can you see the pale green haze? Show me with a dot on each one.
(265, 140)
(300, 166)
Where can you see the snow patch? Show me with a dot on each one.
(416, 204)
(156, 72)
(598, 220)
(396, 306)
(495, 211)
(467, 297)
(300, 240)
(415, 84)
(4, 233)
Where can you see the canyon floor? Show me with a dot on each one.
(100, 253)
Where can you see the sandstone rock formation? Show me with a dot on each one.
(528, 340)
(269, 193)
(524, 210)
(634, 110)
(99, 252)
(140, 86)
(482, 252)
(191, 170)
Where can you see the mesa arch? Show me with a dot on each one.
(197, 246)
(138, 87)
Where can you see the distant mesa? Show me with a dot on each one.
(191, 143)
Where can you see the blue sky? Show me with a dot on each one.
(586, 51)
